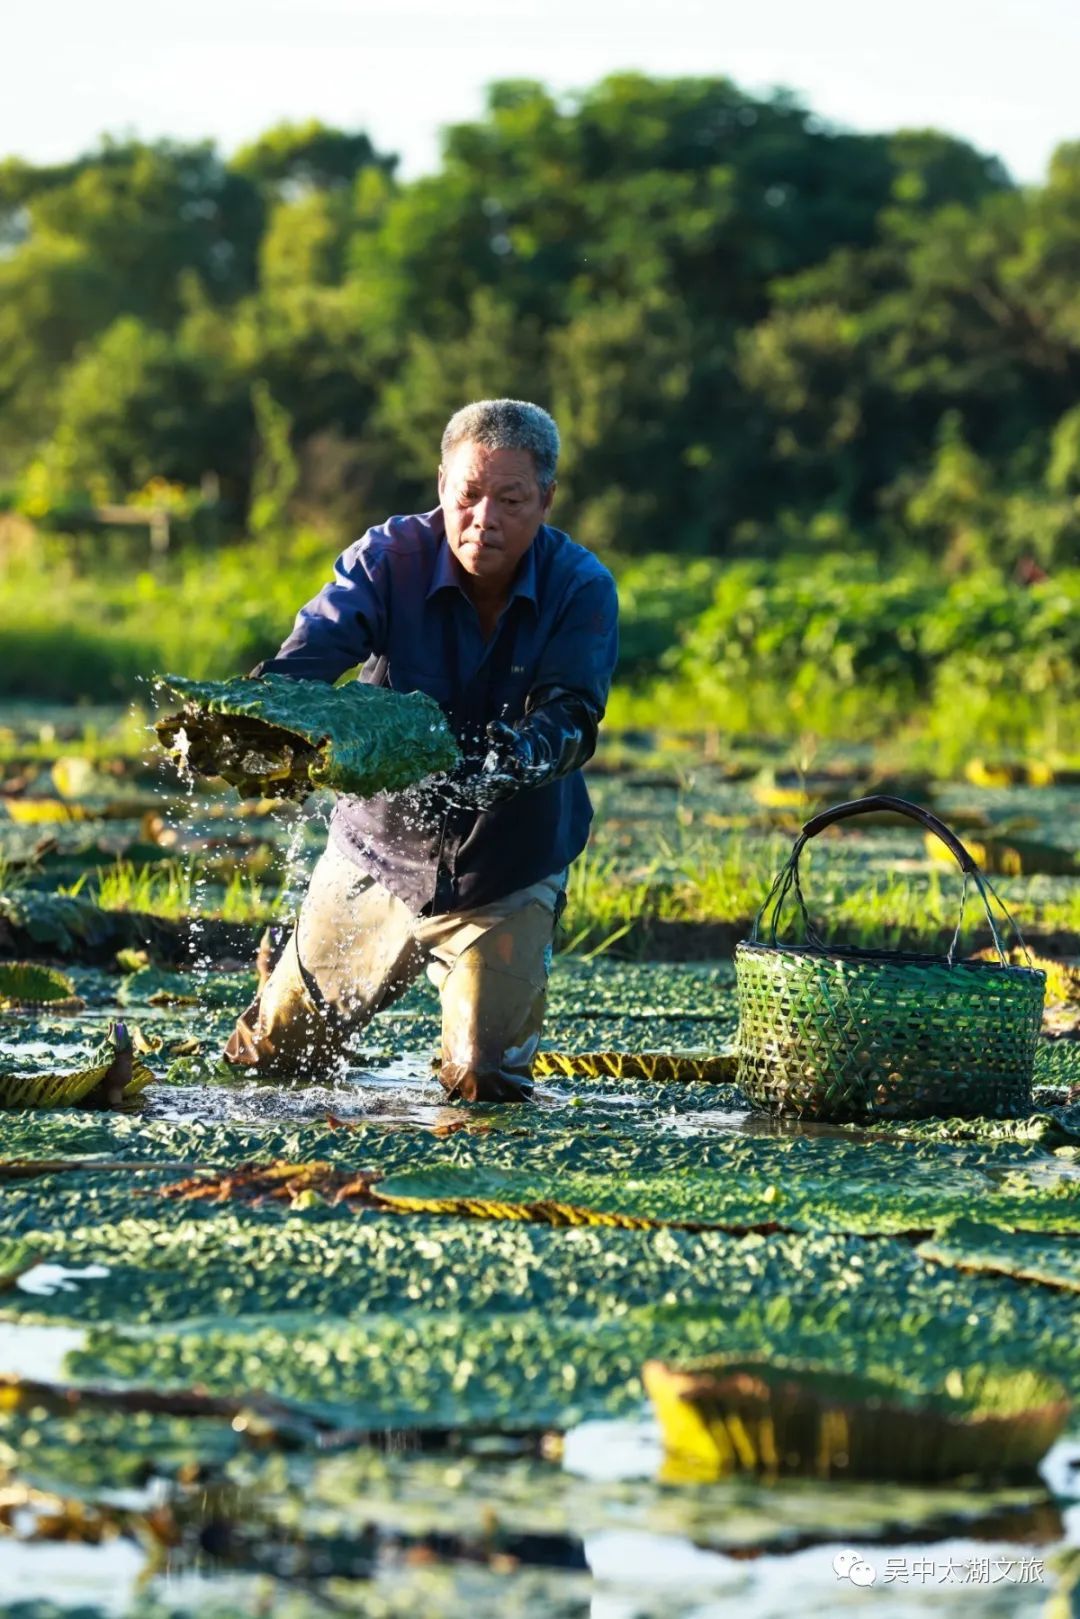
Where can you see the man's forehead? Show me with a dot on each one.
(476, 463)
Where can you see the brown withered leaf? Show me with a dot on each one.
(276, 1182)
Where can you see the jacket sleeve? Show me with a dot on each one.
(582, 650)
(566, 704)
(559, 731)
(341, 626)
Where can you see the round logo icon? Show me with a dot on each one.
(851, 1565)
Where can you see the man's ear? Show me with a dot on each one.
(442, 480)
(547, 497)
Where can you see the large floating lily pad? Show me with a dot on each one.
(1011, 856)
(757, 1417)
(367, 1314)
(660, 1066)
(1053, 1125)
(28, 986)
(607, 1163)
(42, 811)
(76, 929)
(529, 1368)
(1028, 1256)
(113, 1077)
(758, 1186)
(153, 986)
(170, 1262)
(290, 736)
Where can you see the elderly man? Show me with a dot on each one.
(511, 627)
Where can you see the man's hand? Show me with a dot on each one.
(499, 776)
(557, 735)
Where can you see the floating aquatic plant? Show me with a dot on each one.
(976, 1245)
(293, 735)
(660, 1066)
(153, 986)
(29, 986)
(724, 1416)
(114, 1077)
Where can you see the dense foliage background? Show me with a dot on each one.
(832, 379)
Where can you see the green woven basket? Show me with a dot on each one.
(839, 1034)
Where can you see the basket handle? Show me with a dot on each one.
(900, 806)
(789, 877)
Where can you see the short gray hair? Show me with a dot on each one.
(507, 424)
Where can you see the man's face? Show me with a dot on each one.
(493, 506)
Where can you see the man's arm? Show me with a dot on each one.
(341, 626)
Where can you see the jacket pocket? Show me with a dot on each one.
(405, 676)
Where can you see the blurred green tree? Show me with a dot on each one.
(757, 331)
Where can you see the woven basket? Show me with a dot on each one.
(850, 1035)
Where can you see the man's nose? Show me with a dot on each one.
(486, 513)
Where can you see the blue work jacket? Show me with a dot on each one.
(397, 606)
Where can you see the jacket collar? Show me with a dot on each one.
(448, 573)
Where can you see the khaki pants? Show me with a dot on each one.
(355, 950)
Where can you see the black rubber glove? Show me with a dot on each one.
(557, 735)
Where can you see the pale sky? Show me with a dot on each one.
(1003, 74)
